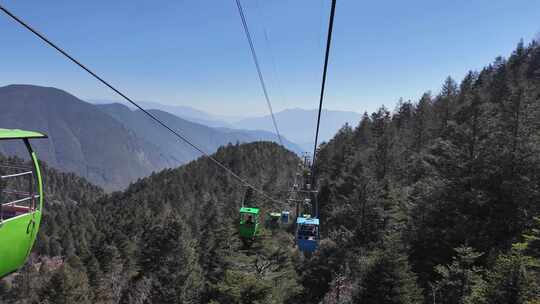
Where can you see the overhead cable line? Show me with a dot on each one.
(152, 116)
(256, 60)
(277, 82)
(327, 55)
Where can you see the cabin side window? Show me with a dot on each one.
(308, 230)
(18, 187)
(248, 218)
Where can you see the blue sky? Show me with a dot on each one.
(194, 52)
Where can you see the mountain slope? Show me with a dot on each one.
(184, 112)
(172, 233)
(261, 135)
(110, 145)
(82, 139)
(441, 187)
(209, 139)
(191, 114)
(299, 125)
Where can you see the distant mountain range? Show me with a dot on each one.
(110, 145)
(207, 138)
(82, 139)
(297, 125)
(184, 112)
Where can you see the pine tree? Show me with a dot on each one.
(382, 135)
(388, 279)
(66, 286)
(243, 288)
(111, 279)
(459, 280)
(169, 258)
(422, 122)
(25, 284)
(445, 103)
(513, 279)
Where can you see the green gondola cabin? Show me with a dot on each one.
(249, 222)
(272, 220)
(21, 204)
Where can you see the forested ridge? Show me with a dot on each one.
(439, 197)
(169, 238)
(436, 201)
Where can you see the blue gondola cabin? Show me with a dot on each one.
(307, 234)
(285, 217)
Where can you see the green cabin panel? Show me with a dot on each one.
(249, 222)
(17, 236)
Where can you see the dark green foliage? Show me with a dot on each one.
(460, 167)
(387, 279)
(460, 281)
(169, 238)
(316, 273)
(531, 244)
(67, 285)
(168, 256)
(242, 288)
(513, 279)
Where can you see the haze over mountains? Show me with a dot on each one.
(299, 125)
(295, 124)
(207, 138)
(110, 145)
(184, 112)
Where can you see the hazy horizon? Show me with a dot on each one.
(108, 101)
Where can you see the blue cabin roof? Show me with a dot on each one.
(307, 221)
